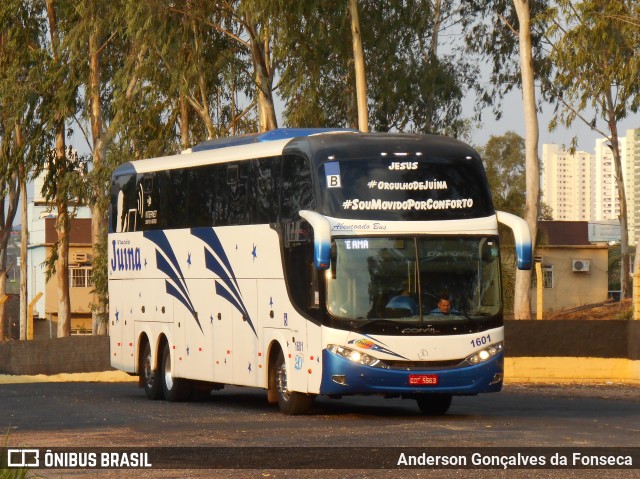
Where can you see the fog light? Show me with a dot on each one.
(339, 379)
(497, 378)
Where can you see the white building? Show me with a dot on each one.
(582, 186)
(633, 175)
(41, 218)
(606, 204)
(567, 183)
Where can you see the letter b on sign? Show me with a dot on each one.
(333, 181)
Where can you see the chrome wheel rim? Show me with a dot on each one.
(168, 379)
(148, 371)
(281, 382)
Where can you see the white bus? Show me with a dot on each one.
(309, 262)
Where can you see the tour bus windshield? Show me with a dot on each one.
(412, 187)
(405, 279)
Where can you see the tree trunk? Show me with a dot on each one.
(522, 301)
(625, 286)
(62, 230)
(264, 79)
(24, 238)
(3, 291)
(184, 122)
(98, 223)
(24, 242)
(433, 57)
(358, 58)
(62, 272)
(6, 225)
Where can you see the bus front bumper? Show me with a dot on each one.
(343, 377)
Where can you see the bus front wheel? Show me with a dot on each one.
(290, 402)
(434, 404)
(175, 389)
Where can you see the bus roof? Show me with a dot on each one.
(277, 134)
(319, 143)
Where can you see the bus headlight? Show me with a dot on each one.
(485, 354)
(355, 356)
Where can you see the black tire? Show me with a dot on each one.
(150, 376)
(174, 389)
(290, 402)
(434, 404)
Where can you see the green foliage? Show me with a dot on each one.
(409, 88)
(504, 161)
(491, 32)
(595, 52)
(12, 473)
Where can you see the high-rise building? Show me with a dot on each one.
(633, 176)
(567, 183)
(606, 203)
(582, 186)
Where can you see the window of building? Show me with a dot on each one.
(547, 276)
(80, 277)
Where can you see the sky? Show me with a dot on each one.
(513, 120)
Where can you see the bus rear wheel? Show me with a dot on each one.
(174, 389)
(434, 404)
(291, 403)
(150, 376)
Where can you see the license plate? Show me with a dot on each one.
(423, 379)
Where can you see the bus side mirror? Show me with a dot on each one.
(321, 238)
(522, 236)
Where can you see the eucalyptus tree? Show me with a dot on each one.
(59, 92)
(251, 25)
(21, 136)
(9, 195)
(411, 86)
(595, 55)
(509, 34)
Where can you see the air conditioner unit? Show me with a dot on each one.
(580, 265)
(80, 257)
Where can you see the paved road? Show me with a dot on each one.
(118, 415)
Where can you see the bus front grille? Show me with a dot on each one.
(423, 365)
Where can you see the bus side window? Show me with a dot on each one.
(202, 196)
(297, 187)
(123, 198)
(263, 191)
(234, 193)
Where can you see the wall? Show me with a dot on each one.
(571, 289)
(75, 354)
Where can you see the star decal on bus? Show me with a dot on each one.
(217, 262)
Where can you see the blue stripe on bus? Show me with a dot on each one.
(223, 293)
(171, 268)
(225, 274)
(211, 239)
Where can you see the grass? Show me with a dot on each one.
(14, 472)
